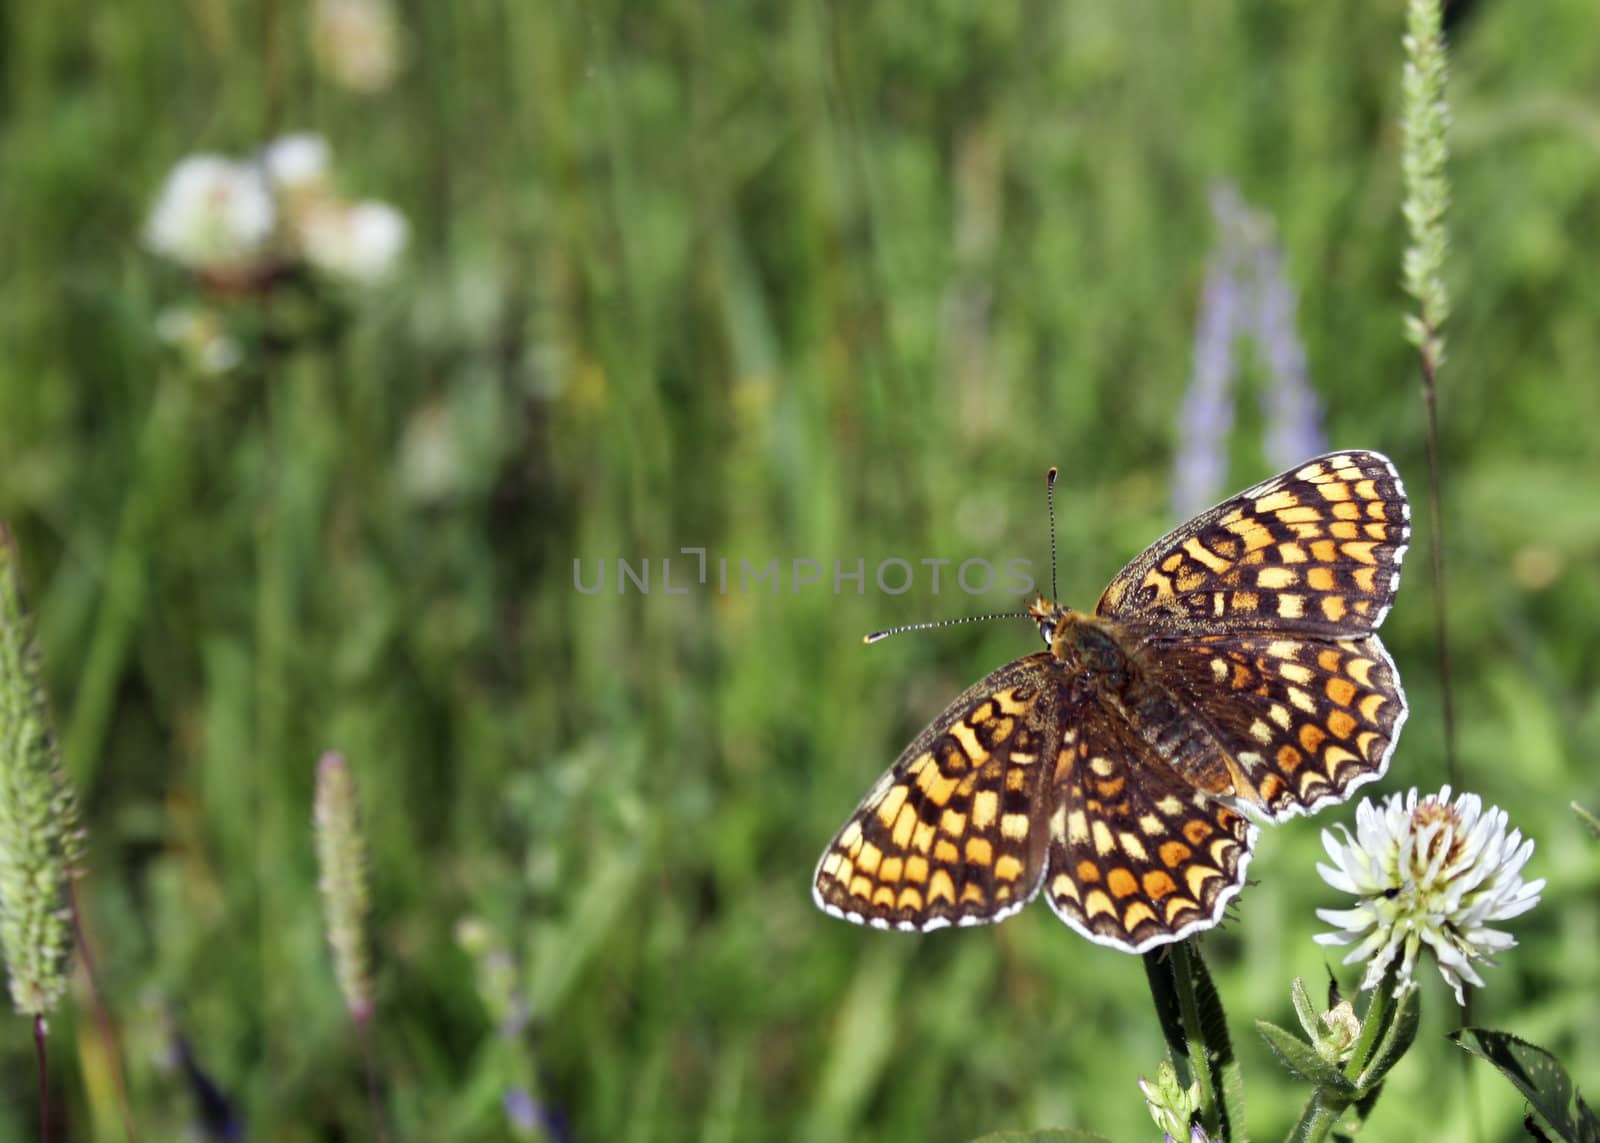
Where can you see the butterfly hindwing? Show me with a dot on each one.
(1138, 857)
(954, 833)
(1305, 721)
(1315, 550)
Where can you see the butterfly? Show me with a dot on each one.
(1232, 673)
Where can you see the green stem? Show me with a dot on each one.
(1317, 1120)
(1374, 1023)
(1184, 956)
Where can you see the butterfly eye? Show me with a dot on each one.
(1048, 630)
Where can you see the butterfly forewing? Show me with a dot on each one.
(954, 833)
(1315, 550)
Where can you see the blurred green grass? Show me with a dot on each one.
(817, 281)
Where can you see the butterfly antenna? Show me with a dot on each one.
(1050, 504)
(877, 636)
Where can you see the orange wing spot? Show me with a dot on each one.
(972, 893)
(1197, 831)
(1312, 737)
(891, 869)
(1334, 607)
(1158, 884)
(889, 808)
(1138, 914)
(1122, 882)
(1008, 703)
(953, 823)
(1270, 787)
(980, 851)
(917, 869)
(1337, 756)
(1335, 490)
(845, 871)
(981, 714)
(1196, 876)
(985, 807)
(1348, 510)
(1365, 741)
(1088, 872)
(1289, 759)
(1343, 530)
(1014, 826)
(1097, 902)
(1243, 677)
(1191, 581)
(868, 860)
(1324, 551)
(1341, 690)
(937, 786)
(968, 738)
(1368, 490)
(1291, 553)
(1274, 577)
(1112, 788)
(1246, 601)
(1222, 849)
(861, 887)
(1370, 706)
(910, 899)
(941, 887)
(922, 837)
(904, 824)
(1177, 907)
(946, 853)
(1062, 887)
(1319, 578)
(1378, 532)
(1174, 853)
(883, 897)
(1015, 779)
(1341, 723)
(1275, 501)
(1204, 555)
(1008, 868)
(1172, 563)
(1329, 660)
(1001, 730)
(1375, 509)
(1365, 579)
(1300, 514)
(1360, 552)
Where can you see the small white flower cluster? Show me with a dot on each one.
(356, 43)
(238, 222)
(1427, 872)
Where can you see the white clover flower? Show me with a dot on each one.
(297, 162)
(1427, 872)
(212, 215)
(360, 241)
(356, 43)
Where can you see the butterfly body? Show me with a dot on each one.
(1230, 669)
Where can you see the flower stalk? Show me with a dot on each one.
(41, 844)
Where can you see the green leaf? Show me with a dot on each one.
(1539, 1077)
(1397, 1038)
(1302, 1059)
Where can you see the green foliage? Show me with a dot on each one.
(1539, 1077)
(821, 281)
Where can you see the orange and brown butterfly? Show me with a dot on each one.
(1232, 672)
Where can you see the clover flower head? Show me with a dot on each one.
(1427, 871)
(212, 214)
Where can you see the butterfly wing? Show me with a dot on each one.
(1138, 857)
(1315, 550)
(955, 831)
(1304, 721)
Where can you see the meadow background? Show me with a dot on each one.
(817, 280)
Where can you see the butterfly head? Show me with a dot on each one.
(1049, 616)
